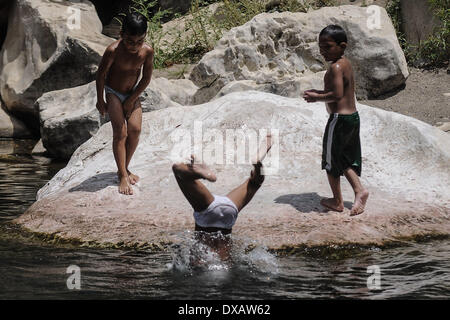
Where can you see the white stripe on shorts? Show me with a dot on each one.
(330, 140)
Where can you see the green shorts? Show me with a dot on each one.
(341, 144)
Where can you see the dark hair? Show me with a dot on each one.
(335, 32)
(134, 24)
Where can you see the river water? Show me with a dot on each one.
(30, 269)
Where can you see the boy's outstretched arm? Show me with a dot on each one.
(147, 71)
(103, 68)
(336, 91)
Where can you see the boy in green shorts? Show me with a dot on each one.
(341, 153)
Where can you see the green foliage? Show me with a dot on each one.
(434, 51)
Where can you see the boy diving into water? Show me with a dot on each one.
(118, 75)
(214, 213)
(341, 153)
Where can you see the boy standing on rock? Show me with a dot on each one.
(341, 153)
(118, 76)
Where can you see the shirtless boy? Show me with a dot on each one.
(118, 76)
(341, 153)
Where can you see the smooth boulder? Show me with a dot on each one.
(406, 167)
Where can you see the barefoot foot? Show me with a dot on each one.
(255, 176)
(133, 178)
(124, 186)
(360, 203)
(332, 204)
(202, 170)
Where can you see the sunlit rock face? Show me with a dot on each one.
(275, 50)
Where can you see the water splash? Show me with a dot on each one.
(211, 252)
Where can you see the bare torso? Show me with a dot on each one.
(125, 69)
(347, 104)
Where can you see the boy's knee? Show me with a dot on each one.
(134, 132)
(118, 136)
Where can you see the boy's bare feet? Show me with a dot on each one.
(124, 186)
(133, 178)
(255, 175)
(332, 204)
(202, 170)
(263, 149)
(360, 203)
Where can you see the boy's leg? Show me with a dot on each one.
(134, 124)
(361, 194)
(242, 195)
(115, 111)
(337, 202)
(188, 176)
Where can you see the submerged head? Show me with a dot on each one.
(332, 42)
(134, 30)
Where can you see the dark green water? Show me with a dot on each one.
(33, 270)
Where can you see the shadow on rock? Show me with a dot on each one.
(306, 202)
(97, 183)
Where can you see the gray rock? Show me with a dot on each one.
(279, 47)
(408, 199)
(44, 51)
(180, 91)
(10, 127)
(39, 148)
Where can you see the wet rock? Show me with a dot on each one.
(406, 167)
(274, 48)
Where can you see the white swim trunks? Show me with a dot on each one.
(221, 213)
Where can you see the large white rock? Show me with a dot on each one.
(274, 48)
(44, 50)
(406, 166)
(69, 117)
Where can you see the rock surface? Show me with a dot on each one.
(69, 117)
(45, 51)
(180, 91)
(10, 127)
(406, 166)
(274, 48)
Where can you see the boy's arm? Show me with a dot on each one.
(337, 85)
(147, 71)
(103, 68)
